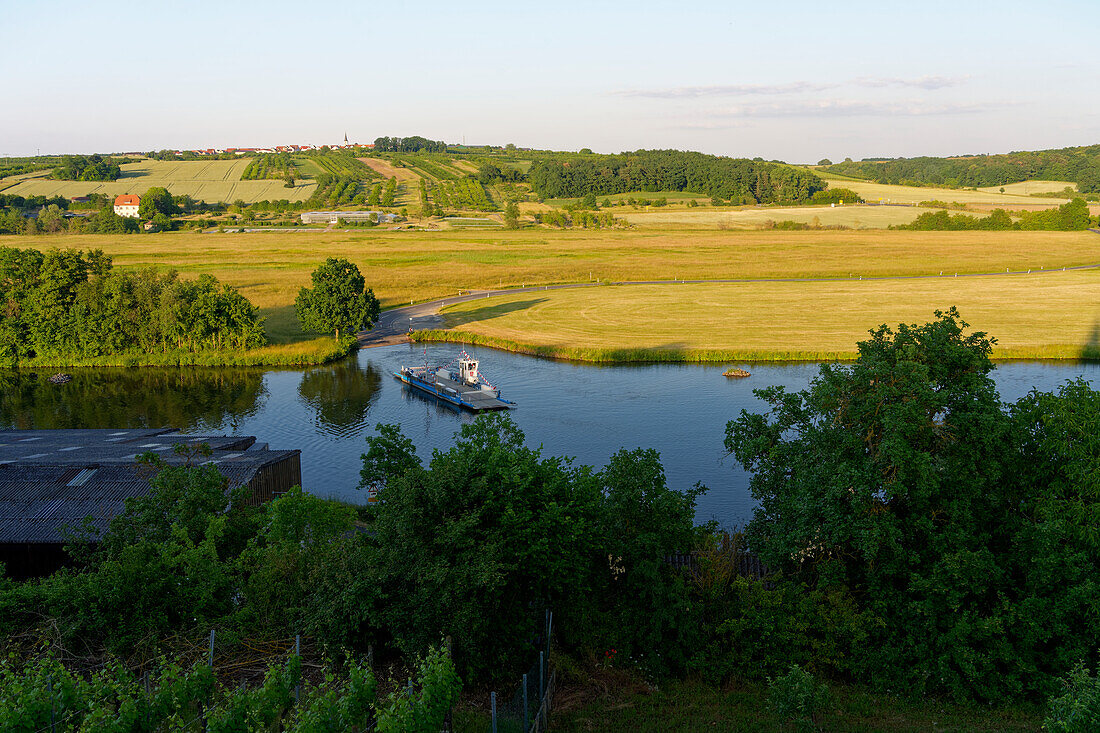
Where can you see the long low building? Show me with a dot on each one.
(335, 217)
(53, 480)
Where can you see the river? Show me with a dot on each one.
(569, 409)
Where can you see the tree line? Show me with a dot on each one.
(1069, 217)
(87, 168)
(738, 181)
(1080, 165)
(71, 305)
(413, 144)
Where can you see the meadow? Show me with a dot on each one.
(203, 180)
(1052, 314)
(402, 267)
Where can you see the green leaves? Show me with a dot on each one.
(337, 301)
(964, 528)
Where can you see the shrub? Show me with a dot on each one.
(798, 697)
(1077, 709)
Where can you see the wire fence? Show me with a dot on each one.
(526, 708)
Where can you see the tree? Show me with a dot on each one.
(511, 215)
(155, 201)
(824, 161)
(964, 533)
(338, 300)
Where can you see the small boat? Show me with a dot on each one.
(465, 387)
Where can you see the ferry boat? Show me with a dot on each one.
(466, 387)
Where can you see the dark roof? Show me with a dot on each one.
(105, 445)
(50, 479)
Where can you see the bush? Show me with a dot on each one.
(798, 697)
(1077, 709)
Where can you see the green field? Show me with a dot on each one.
(204, 180)
(269, 267)
(853, 216)
(887, 193)
(1052, 315)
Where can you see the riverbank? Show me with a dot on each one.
(303, 353)
(713, 356)
(1044, 315)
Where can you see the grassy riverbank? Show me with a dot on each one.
(1041, 316)
(303, 353)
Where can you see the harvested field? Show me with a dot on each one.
(404, 175)
(915, 194)
(203, 180)
(853, 216)
(1027, 188)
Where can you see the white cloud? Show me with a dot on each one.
(921, 82)
(725, 90)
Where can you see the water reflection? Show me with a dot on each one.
(191, 399)
(341, 395)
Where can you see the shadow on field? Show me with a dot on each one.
(281, 325)
(485, 313)
(1091, 349)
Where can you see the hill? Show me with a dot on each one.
(1079, 165)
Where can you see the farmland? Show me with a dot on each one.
(1054, 314)
(402, 267)
(888, 193)
(211, 181)
(852, 216)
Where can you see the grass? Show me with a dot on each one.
(303, 353)
(618, 706)
(1053, 315)
(853, 216)
(270, 267)
(205, 180)
(915, 194)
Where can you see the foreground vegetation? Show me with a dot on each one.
(918, 536)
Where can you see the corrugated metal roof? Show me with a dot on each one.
(44, 488)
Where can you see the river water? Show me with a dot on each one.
(584, 411)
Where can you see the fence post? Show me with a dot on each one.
(542, 675)
(549, 628)
(493, 708)
(298, 653)
(525, 701)
(211, 658)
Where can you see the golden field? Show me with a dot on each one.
(270, 267)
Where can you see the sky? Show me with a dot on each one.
(794, 81)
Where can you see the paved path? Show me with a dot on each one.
(394, 324)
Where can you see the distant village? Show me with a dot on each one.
(277, 149)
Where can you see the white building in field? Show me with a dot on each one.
(335, 217)
(127, 205)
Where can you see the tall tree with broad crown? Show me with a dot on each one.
(338, 301)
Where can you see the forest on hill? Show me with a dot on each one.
(737, 180)
(1080, 165)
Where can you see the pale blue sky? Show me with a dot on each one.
(790, 80)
